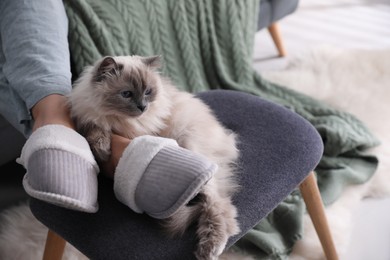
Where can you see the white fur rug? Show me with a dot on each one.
(22, 237)
(354, 81)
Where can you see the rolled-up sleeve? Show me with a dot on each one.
(34, 57)
(35, 48)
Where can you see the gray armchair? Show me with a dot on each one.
(11, 174)
(270, 12)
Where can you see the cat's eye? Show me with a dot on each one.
(127, 94)
(148, 91)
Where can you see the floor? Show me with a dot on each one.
(345, 24)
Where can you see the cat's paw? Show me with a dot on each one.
(102, 154)
(99, 141)
(101, 148)
(213, 246)
(210, 249)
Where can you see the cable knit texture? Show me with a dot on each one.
(208, 45)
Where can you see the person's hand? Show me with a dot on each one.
(52, 109)
(118, 145)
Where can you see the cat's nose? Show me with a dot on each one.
(141, 107)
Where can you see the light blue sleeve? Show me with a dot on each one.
(34, 57)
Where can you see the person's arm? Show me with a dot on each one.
(35, 67)
(35, 50)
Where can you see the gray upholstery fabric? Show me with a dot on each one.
(11, 188)
(278, 149)
(273, 10)
(11, 142)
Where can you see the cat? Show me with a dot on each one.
(127, 95)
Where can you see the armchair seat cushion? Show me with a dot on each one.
(278, 150)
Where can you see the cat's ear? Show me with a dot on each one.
(107, 67)
(152, 61)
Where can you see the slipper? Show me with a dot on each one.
(155, 176)
(60, 168)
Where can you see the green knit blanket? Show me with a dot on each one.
(207, 44)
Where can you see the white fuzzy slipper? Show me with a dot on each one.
(156, 176)
(60, 168)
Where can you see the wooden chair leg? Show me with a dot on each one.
(315, 207)
(54, 248)
(275, 34)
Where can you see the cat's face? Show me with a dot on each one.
(127, 86)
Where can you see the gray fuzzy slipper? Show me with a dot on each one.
(60, 168)
(157, 177)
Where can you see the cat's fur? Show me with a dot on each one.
(126, 95)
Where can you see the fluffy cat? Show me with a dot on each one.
(126, 95)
